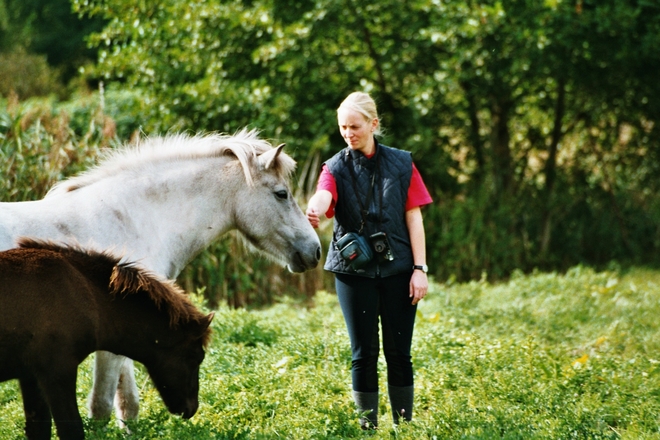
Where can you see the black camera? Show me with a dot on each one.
(381, 246)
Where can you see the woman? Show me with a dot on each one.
(373, 189)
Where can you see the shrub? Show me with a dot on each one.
(27, 75)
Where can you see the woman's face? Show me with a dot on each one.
(357, 131)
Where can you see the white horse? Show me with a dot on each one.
(160, 203)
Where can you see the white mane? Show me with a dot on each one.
(244, 146)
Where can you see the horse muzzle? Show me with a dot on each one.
(190, 408)
(300, 261)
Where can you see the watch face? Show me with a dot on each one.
(424, 268)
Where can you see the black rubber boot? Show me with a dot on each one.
(401, 399)
(367, 404)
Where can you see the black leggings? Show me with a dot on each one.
(363, 300)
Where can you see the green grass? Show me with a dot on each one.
(544, 356)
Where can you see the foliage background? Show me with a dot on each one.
(534, 124)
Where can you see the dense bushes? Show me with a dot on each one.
(483, 235)
(27, 75)
(39, 147)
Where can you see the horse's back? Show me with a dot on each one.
(38, 280)
(68, 272)
(9, 220)
(58, 219)
(33, 218)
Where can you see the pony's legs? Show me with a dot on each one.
(127, 398)
(59, 389)
(37, 413)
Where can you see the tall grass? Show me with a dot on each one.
(542, 356)
(42, 142)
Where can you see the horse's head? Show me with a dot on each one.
(176, 373)
(269, 217)
(187, 191)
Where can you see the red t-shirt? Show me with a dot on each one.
(418, 194)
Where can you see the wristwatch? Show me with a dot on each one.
(424, 268)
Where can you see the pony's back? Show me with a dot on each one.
(110, 276)
(46, 304)
(37, 269)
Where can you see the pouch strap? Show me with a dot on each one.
(363, 208)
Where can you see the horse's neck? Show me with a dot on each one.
(161, 219)
(167, 218)
(130, 328)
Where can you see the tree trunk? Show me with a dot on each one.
(475, 128)
(500, 146)
(551, 168)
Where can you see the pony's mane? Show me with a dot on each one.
(128, 279)
(245, 146)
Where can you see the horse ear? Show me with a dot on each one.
(268, 159)
(206, 322)
(204, 328)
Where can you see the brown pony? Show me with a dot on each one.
(58, 304)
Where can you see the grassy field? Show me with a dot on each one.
(543, 356)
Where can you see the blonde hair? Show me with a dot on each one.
(365, 105)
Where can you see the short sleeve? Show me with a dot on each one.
(327, 182)
(418, 194)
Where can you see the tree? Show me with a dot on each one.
(533, 122)
(50, 28)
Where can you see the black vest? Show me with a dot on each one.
(386, 210)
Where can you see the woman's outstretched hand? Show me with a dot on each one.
(313, 217)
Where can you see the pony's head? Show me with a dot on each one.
(176, 373)
(176, 356)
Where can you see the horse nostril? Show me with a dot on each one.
(318, 253)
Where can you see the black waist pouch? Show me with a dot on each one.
(355, 250)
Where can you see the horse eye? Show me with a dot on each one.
(281, 194)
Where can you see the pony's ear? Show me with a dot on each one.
(204, 330)
(268, 159)
(206, 322)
